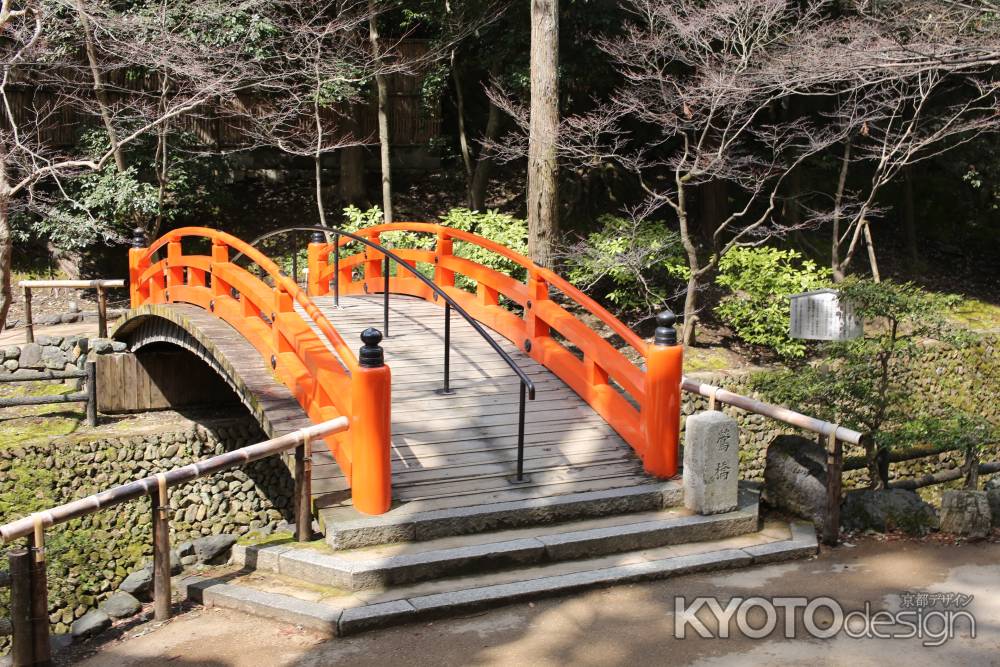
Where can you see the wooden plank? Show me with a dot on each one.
(424, 476)
(543, 478)
(459, 449)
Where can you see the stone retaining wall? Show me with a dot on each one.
(90, 556)
(54, 353)
(961, 378)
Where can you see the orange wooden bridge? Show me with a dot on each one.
(437, 398)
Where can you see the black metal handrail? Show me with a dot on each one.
(527, 386)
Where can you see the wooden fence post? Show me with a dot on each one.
(303, 491)
(102, 312)
(834, 471)
(161, 549)
(91, 393)
(29, 326)
(23, 649)
(39, 597)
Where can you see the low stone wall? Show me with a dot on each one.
(89, 557)
(54, 353)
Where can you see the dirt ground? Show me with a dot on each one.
(624, 625)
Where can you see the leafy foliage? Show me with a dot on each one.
(499, 227)
(760, 280)
(104, 206)
(866, 383)
(642, 261)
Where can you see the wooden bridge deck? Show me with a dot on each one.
(461, 449)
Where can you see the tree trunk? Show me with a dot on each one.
(318, 155)
(99, 92)
(871, 252)
(690, 311)
(162, 162)
(352, 166)
(971, 469)
(463, 138)
(6, 253)
(694, 267)
(383, 114)
(484, 167)
(837, 265)
(543, 167)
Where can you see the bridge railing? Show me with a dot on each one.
(643, 406)
(325, 385)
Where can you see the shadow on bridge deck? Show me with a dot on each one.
(460, 450)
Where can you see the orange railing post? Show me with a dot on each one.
(445, 247)
(661, 407)
(175, 268)
(220, 255)
(318, 257)
(138, 262)
(538, 290)
(371, 428)
(373, 266)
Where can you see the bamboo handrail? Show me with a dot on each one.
(73, 284)
(772, 411)
(115, 496)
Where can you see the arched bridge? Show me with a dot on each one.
(483, 385)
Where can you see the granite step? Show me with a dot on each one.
(515, 507)
(336, 611)
(404, 563)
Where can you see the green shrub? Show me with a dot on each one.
(760, 281)
(642, 260)
(499, 227)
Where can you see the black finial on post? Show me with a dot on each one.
(371, 355)
(317, 237)
(138, 237)
(665, 333)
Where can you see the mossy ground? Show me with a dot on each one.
(977, 315)
(709, 359)
(19, 425)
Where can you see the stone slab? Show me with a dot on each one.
(358, 619)
(347, 530)
(285, 608)
(711, 462)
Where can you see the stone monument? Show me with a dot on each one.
(711, 462)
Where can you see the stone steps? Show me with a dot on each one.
(513, 507)
(335, 611)
(406, 563)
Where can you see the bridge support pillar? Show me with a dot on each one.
(371, 428)
(661, 411)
